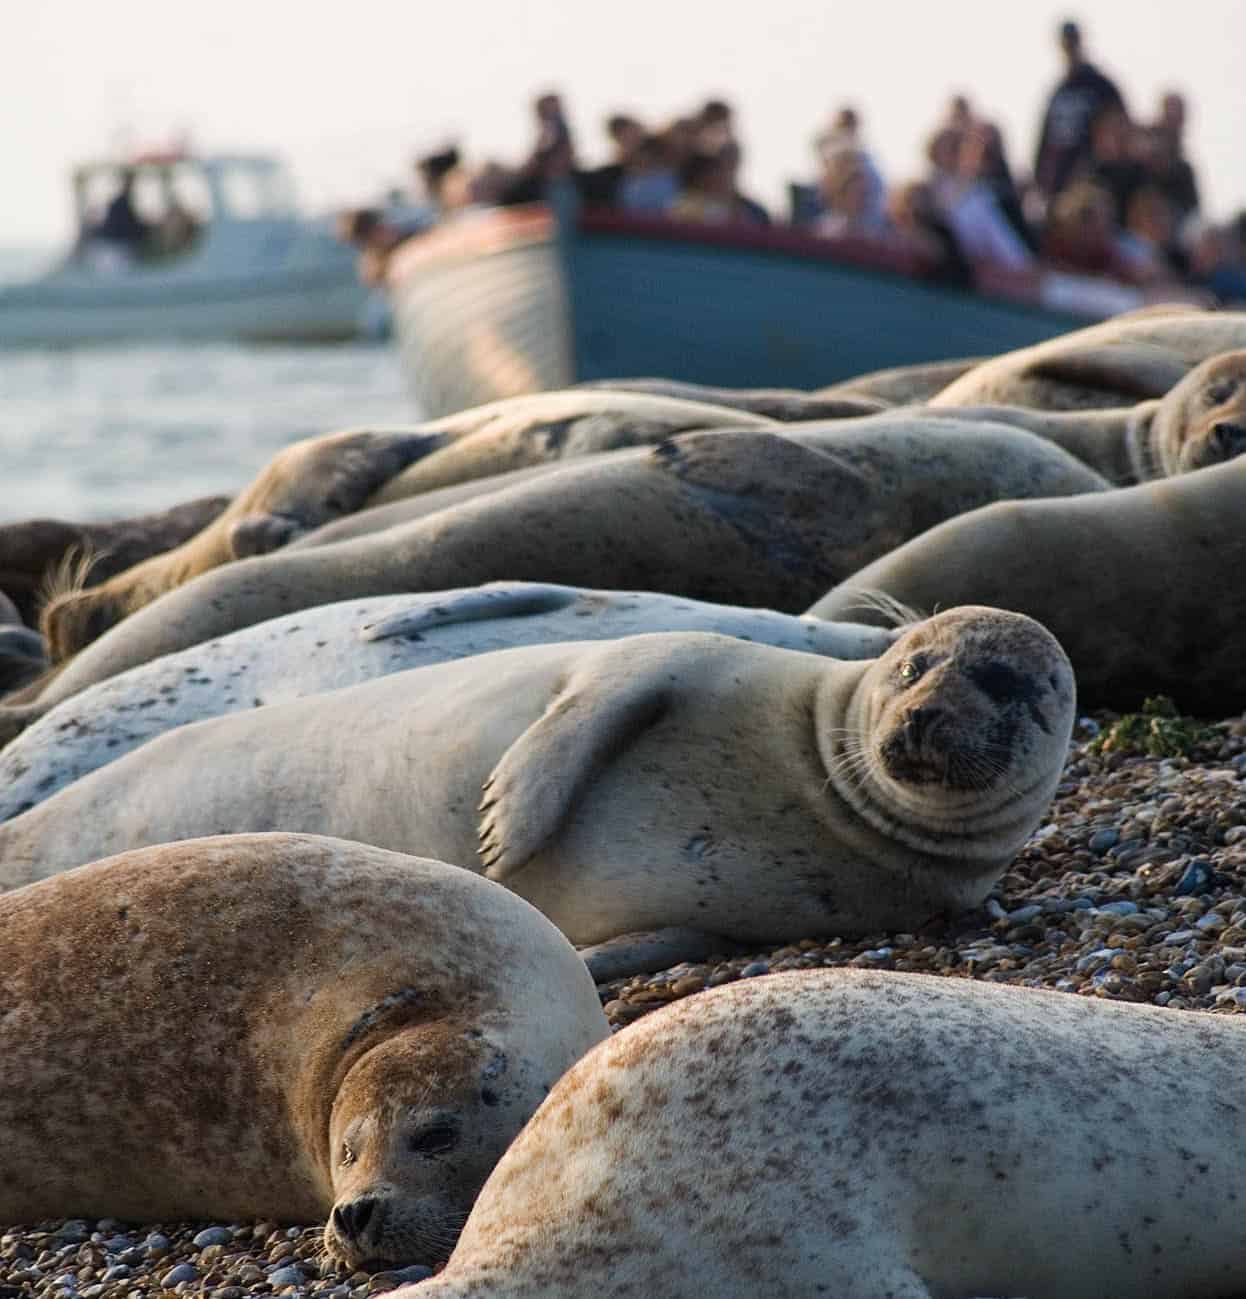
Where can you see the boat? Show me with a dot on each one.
(504, 301)
(223, 255)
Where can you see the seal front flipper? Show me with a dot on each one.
(472, 604)
(653, 950)
(261, 534)
(539, 778)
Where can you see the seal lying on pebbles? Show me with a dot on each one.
(1143, 586)
(292, 1026)
(785, 404)
(676, 781)
(876, 1134)
(1201, 421)
(336, 645)
(743, 517)
(35, 553)
(1132, 358)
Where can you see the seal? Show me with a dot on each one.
(737, 517)
(678, 781)
(1135, 357)
(1200, 421)
(35, 553)
(845, 1127)
(321, 479)
(1142, 586)
(336, 645)
(901, 385)
(315, 1028)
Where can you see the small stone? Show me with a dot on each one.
(752, 970)
(74, 1229)
(176, 1275)
(117, 1272)
(1198, 878)
(409, 1275)
(689, 984)
(213, 1236)
(284, 1250)
(1119, 908)
(156, 1245)
(721, 976)
(381, 1281)
(285, 1276)
(1102, 840)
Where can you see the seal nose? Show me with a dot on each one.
(918, 726)
(351, 1219)
(1230, 439)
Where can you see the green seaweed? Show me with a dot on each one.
(1158, 730)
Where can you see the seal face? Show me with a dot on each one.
(968, 715)
(1202, 421)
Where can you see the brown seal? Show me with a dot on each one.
(735, 517)
(1134, 357)
(678, 781)
(34, 553)
(277, 1026)
(860, 1135)
(901, 385)
(1142, 586)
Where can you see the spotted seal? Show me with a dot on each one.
(864, 1134)
(293, 1027)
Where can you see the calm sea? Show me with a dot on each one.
(96, 433)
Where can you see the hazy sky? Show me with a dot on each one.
(349, 92)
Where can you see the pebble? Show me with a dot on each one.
(182, 1272)
(213, 1236)
(285, 1276)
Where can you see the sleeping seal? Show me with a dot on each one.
(291, 1027)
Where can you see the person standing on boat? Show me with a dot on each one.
(1083, 93)
(123, 232)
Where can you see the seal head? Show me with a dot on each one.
(1201, 422)
(961, 725)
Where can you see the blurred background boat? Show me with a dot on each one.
(179, 247)
(502, 301)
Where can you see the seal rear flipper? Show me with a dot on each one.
(539, 778)
(1134, 371)
(473, 604)
(652, 950)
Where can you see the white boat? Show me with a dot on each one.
(218, 252)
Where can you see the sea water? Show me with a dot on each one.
(106, 432)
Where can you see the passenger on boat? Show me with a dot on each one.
(714, 127)
(1166, 160)
(1076, 101)
(970, 209)
(552, 157)
(1113, 163)
(982, 158)
(650, 184)
(844, 136)
(918, 225)
(1082, 236)
(601, 185)
(850, 203)
(709, 192)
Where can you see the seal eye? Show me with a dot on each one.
(348, 1155)
(1218, 393)
(434, 1141)
(910, 670)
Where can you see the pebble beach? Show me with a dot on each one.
(1133, 889)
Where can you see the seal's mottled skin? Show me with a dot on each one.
(670, 781)
(738, 517)
(336, 645)
(1143, 586)
(1134, 357)
(856, 1135)
(197, 1030)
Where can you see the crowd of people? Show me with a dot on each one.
(1109, 194)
